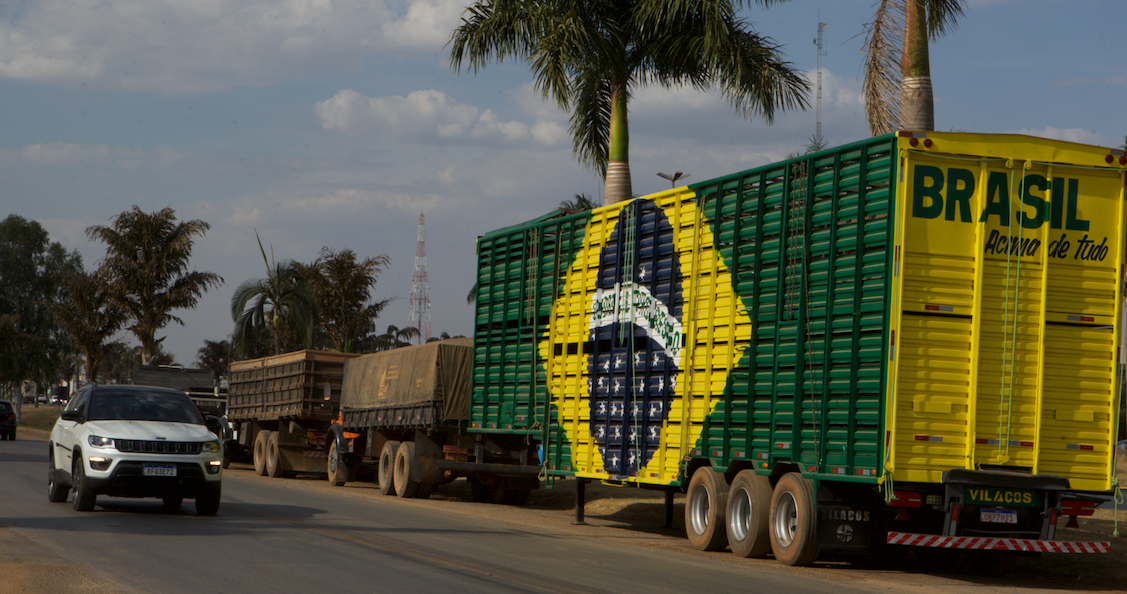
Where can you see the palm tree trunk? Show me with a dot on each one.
(917, 108)
(618, 188)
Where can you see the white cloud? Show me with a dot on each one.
(185, 46)
(62, 153)
(1069, 135)
(430, 117)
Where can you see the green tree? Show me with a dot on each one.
(590, 56)
(283, 303)
(343, 287)
(91, 315)
(581, 202)
(215, 356)
(897, 86)
(33, 345)
(147, 257)
(396, 337)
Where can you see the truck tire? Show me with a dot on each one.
(260, 452)
(337, 466)
(479, 490)
(405, 484)
(793, 521)
(386, 473)
(84, 499)
(705, 504)
(749, 513)
(510, 491)
(273, 457)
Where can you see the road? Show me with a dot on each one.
(273, 535)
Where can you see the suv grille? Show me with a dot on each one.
(157, 447)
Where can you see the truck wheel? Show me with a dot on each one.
(84, 499)
(337, 466)
(260, 452)
(479, 491)
(56, 491)
(424, 491)
(705, 504)
(405, 484)
(386, 474)
(749, 513)
(274, 457)
(793, 521)
(509, 491)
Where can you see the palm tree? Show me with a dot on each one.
(91, 315)
(146, 262)
(214, 356)
(897, 85)
(589, 57)
(283, 302)
(395, 338)
(579, 203)
(343, 290)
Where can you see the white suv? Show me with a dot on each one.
(135, 441)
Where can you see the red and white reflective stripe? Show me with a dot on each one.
(312, 454)
(980, 543)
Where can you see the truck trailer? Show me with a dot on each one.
(908, 341)
(405, 419)
(282, 407)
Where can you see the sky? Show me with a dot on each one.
(338, 122)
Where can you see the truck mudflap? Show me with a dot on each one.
(986, 543)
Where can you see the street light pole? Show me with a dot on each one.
(673, 178)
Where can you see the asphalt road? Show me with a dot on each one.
(274, 535)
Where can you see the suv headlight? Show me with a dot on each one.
(209, 447)
(100, 442)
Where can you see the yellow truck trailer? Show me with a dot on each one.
(909, 340)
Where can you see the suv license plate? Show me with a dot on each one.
(160, 470)
(998, 516)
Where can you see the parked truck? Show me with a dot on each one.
(906, 341)
(405, 420)
(282, 407)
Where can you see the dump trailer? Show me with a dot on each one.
(198, 384)
(405, 419)
(283, 406)
(908, 341)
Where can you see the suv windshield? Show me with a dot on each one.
(139, 405)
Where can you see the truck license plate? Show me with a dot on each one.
(160, 470)
(998, 516)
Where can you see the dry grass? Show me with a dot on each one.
(41, 417)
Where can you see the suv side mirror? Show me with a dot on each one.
(212, 423)
(72, 415)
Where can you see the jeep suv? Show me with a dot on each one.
(135, 441)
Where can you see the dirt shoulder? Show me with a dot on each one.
(636, 517)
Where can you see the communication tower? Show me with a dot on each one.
(818, 42)
(420, 290)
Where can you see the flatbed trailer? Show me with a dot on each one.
(910, 340)
(283, 406)
(404, 419)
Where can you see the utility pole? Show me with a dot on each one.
(420, 290)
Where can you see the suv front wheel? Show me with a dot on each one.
(207, 502)
(84, 498)
(56, 491)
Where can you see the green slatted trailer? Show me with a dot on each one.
(885, 343)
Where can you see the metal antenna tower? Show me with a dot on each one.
(420, 290)
(818, 42)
